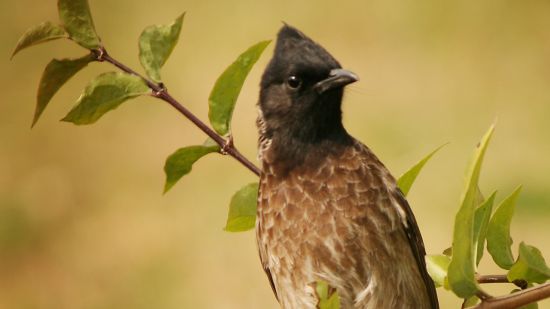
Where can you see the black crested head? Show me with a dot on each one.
(300, 97)
(296, 53)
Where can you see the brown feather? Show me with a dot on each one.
(343, 225)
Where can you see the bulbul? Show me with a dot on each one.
(328, 209)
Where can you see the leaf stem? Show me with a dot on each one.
(160, 91)
(518, 299)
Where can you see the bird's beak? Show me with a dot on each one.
(337, 78)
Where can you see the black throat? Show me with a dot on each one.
(302, 142)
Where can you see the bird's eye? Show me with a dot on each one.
(294, 82)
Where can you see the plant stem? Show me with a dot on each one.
(500, 279)
(159, 91)
(492, 279)
(518, 299)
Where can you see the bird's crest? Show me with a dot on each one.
(287, 31)
(295, 50)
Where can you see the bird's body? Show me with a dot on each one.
(337, 219)
(328, 209)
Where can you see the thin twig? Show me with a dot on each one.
(492, 279)
(518, 299)
(159, 91)
(500, 279)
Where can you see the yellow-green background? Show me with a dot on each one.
(84, 224)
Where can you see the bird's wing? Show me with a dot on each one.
(268, 273)
(417, 245)
(410, 227)
(262, 250)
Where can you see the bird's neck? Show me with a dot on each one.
(287, 148)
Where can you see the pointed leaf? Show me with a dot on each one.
(104, 93)
(56, 74)
(44, 32)
(407, 179)
(461, 273)
(322, 289)
(328, 299)
(481, 223)
(437, 265)
(499, 242)
(209, 142)
(156, 43)
(471, 301)
(77, 20)
(228, 86)
(530, 266)
(479, 199)
(242, 209)
(181, 162)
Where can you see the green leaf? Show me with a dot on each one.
(481, 223)
(530, 266)
(209, 142)
(104, 93)
(77, 20)
(242, 209)
(499, 242)
(471, 301)
(407, 179)
(181, 162)
(44, 32)
(437, 265)
(156, 43)
(327, 299)
(461, 273)
(56, 74)
(228, 86)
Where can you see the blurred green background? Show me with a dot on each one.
(84, 224)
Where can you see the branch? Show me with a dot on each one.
(500, 279)
(160, 91)
(518, 299)
(492, 279)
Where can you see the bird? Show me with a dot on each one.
(328, 209)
